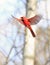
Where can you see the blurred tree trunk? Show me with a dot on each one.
(29, 48)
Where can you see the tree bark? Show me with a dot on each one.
(29, 48)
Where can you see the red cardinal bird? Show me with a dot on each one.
(29, 22)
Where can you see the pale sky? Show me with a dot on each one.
(8, 31)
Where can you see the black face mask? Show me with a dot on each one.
(22, 19)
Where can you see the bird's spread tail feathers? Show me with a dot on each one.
(33, 34)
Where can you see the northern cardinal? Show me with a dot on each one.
(28, 22)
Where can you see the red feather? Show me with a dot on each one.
(28, 22)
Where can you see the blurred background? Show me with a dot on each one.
(17, 46)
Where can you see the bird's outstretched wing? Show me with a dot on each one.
(19, 20)
(34, 20)
(15, 18)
